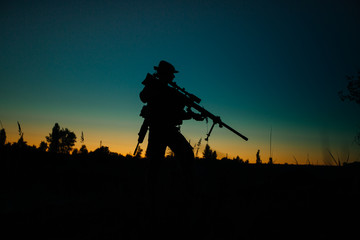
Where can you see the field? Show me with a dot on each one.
(107, 197)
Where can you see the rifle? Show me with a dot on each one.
(142, 133)
(193, 101)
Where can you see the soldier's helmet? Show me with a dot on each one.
(165, 67)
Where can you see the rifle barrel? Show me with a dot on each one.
(216, 119)
(234, 131)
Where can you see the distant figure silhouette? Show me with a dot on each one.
(165, 113)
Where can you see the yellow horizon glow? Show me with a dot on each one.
(122, 138)
(126, 144)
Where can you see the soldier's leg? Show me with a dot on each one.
(155, 153)
(156, 145)
(184, 154)
(181, 148)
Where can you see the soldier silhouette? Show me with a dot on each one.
(165, 112)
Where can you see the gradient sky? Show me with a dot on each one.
(257, 64)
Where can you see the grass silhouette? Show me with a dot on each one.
(105, 195)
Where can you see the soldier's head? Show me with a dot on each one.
(165, 71)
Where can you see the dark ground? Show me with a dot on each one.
(61, 197)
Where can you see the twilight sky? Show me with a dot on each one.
(257, 64)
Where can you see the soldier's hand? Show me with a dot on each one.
(198, 117)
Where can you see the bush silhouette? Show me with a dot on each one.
(43, 146)
(61, 140)
(83, 150)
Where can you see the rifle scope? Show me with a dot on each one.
(189, 95)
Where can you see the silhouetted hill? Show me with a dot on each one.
(97, 197)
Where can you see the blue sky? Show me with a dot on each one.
(257, 64)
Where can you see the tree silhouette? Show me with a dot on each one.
(68, 140)
(101, 152)
(209, 154)
(75, 152)
(353, 88)
(61, 140)
(2, 137)
(353, 94)
(54, 139)
(43, 146)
